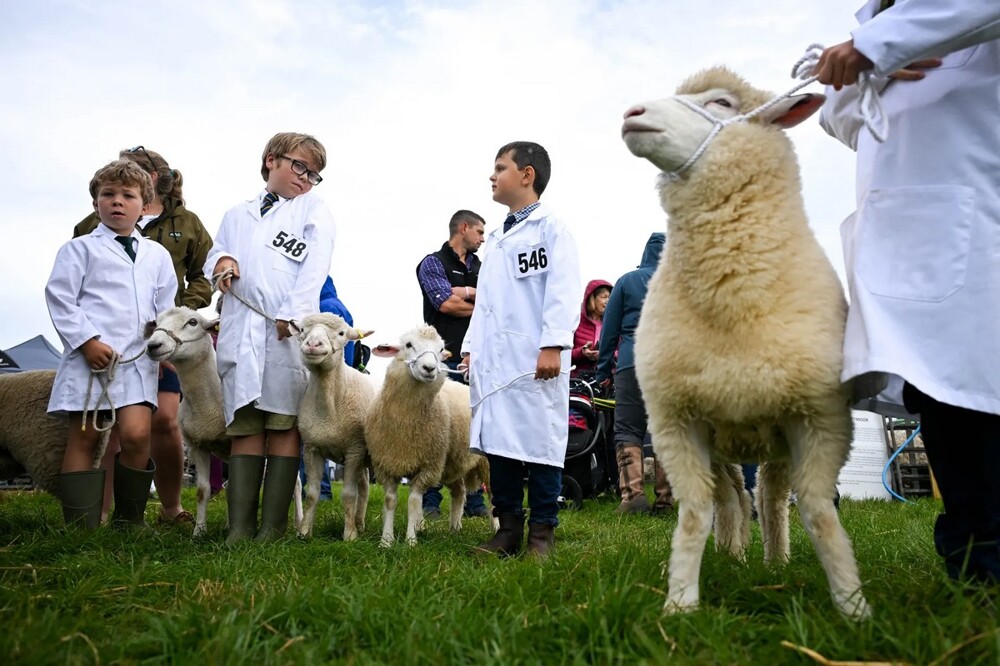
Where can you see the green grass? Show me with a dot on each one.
(157, 597)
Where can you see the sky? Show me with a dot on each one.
(412, 101)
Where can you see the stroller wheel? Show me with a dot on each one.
(572, 494)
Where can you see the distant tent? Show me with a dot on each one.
(34, 354)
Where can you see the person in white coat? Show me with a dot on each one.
(921, 249)
(104, 289)
(517, 349)
(276, 250)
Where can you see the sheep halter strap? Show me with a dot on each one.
(869, 105)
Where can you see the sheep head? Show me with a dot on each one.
(180, 333)
(421, 349)
(669, 132)
(322, 338)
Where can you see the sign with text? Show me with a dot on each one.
(861, 476)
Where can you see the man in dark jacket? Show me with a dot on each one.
(621, 317)
(448, 281)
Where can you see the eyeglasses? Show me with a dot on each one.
(136, 149)
(300, 169)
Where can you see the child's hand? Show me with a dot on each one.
(97, 354)
(283, 330)
(549, 363)
(465, 366)
(222, 266)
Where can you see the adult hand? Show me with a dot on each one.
(223, 265)
(840, 65)
(97, 354)
(549, 363)
(591, 354)
(912, 72)
(283, 330)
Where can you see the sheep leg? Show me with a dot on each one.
(314, 474)
(388, 510)
(414, 512)
(683, 451)
(354, 470)
(819, 449)
(732, 510)
(297, 498)
(202, 460)
(457, 492)
(361, 506)
(773, 483)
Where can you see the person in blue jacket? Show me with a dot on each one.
(618, 333)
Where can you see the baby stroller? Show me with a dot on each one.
(589, 468)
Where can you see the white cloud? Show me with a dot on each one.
(412, 100)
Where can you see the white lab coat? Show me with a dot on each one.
(254, 365)
(95, 290)
(517, 416)
(923, 248)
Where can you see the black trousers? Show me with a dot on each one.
(963, 448)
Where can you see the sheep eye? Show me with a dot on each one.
(723, 102)
(341, 334)
(409, 345)
(191, 322)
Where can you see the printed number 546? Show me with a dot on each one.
(534, 260)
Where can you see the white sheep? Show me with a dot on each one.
(418, 428)
(183, 337)
(31, 440)
(332, 416)
(739, 347)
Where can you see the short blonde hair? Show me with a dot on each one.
(123, 172)
(283, 143)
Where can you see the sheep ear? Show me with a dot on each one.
(385, 351)
(212, 325)
(445, 355)
(148, 331)
(793, 110)
(293, 327)
(358, 334)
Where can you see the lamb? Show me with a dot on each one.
(739, 348)
(183, 337)
(418, 427)
(332, 416)
(31, 440)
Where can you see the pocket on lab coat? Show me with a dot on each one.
(517, 355)
(913, 242)
(285, 265)
(958, 58)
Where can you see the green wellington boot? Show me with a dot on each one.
(82, 495)
(131, 494)
(243, 496)
(279, 484)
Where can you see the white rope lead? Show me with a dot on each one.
(228, 273)
(869, 104)
(105, 377)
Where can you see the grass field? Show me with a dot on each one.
(157, 597)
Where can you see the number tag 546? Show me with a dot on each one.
(290, 246)
(533, 260)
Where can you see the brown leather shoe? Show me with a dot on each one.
(541, 540)
(630, 480)
(507, 540)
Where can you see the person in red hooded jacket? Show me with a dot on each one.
(587, 337)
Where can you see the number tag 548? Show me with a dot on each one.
(290, 246)
(533, 260)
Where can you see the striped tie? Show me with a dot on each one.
(267, 203)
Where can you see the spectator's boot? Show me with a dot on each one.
(82, 495)
(541, 540)
(630, 479)
(507, 540)
(664, 501)
(279, 486)
(131, 494)
(242, 496)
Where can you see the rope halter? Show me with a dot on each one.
(869, 104)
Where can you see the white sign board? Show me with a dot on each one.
(861, 476)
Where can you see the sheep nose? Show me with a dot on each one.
(636, 110)
(154, 346)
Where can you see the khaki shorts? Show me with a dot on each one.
(248, 420)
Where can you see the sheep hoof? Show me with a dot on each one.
(350, 536)
(679, 608)
(855, 608)
(411, 541)
(385, 543)
(199, 532)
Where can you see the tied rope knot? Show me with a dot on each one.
(105, 377)
(869, 105)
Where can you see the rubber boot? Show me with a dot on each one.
(279, 485)
(541, 540)
(131, 494)
(507, 540)
(664, 497)
(82, 496)
(243, 495)
(630, 479)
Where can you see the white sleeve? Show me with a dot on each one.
(563, 292)
(166, 285)
(840, 115)
(319, 232)
(220, 246)
(917, 29)
(62, 294)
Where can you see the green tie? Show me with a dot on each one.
(127, 243)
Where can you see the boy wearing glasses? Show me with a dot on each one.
(272, 254)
